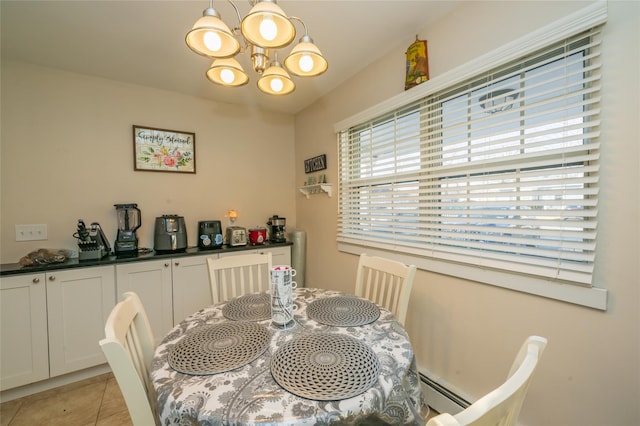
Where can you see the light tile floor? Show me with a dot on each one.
(95, 401)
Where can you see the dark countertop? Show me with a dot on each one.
(16, 268)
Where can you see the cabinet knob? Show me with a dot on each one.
(177, 263)
(36, 280)
(166, 265)
(52, 277)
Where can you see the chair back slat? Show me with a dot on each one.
(385, 282)
(233, 276)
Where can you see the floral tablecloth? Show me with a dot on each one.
(249, 395)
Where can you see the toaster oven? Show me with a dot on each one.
(236, 236)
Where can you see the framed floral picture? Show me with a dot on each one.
(162, 150)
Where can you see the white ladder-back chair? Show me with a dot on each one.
(128, 347)
(502, 405)
(385, 282)
(233, 276)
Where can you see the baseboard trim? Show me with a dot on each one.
(54, 382)
(440, 398)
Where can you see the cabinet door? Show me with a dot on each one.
(191, 289)
(24, 355)
(151, 280)
(79, 302)
(279, 255)
(237, 253)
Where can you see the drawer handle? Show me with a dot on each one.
(166, 265)
(177, 263)
(36, 280)
(52, 278)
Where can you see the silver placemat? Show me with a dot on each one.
(343, 311)
(325, 367)
(212, 349)
(250, 307)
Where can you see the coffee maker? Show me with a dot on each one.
(129, 220)
(277, 229)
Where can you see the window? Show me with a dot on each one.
(497, 171)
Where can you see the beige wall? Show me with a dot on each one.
(67, 153)
(465, 333)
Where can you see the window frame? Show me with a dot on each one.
(594, 296)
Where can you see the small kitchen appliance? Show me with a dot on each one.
(92, 243)
(277, 229)
(236, 236)
(209, 234)
(257, 236)
(170, 234)
(129, 220)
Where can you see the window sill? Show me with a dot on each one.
(592, 297)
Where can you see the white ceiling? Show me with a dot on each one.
(142, 41)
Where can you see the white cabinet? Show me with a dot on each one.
(51, 323)
(78, 304)
(170, 289)
(24, 356)
(191, 289)
(279, 255)
(151, 280)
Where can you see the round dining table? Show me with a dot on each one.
(274, 385)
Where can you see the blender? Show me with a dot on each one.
(129, 220)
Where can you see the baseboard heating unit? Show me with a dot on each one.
(440, 398)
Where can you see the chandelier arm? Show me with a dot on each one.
(237, 11)
(306, 32)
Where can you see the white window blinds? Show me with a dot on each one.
(500, 171)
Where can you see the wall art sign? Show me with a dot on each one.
(316, 163)
(417, 64)
(162, 150)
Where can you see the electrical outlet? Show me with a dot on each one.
(31, 232)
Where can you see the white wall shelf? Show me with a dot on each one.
(317, 189)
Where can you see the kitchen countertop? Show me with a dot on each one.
(16, 268)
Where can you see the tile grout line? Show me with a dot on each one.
(104, 391)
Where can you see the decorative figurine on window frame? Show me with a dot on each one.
(417, 64)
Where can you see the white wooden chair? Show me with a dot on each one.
(385, 282)
(233, 276)
(128, 347)
(502, 405)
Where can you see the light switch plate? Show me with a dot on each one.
(31, 232)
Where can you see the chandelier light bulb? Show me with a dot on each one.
(276, 85)
(267, 25)
(306, 63)
(211, 37)
(306, 60)
(276, 81)
(212, 41)
(227, 72)
(227, 76)
(268, 28)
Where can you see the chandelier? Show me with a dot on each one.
(262, 31)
